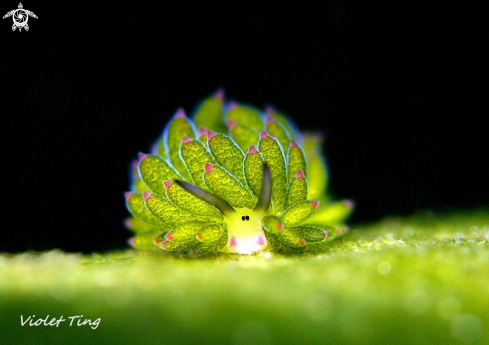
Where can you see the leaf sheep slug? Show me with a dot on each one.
(233, 179)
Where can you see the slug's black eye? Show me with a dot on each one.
(247, 217)
(243, 218)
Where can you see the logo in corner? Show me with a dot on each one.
(20, 17)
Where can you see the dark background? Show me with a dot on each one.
(400, 92)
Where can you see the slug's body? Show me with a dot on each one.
(233, 180)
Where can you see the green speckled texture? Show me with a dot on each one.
(190, 203)
(274, 156)
(297, 213)
(246, 115)
(296, 160)
(244, 136)
(166, 211)
(135, 203)
(416, 280)
(184, 232)
(296, 191)
(222, 183)
(253, 170)
(155, 170)
(178, 128)
(195, 155)
(228, 155)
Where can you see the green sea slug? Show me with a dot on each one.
(233, 179)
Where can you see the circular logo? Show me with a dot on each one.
(20, 17)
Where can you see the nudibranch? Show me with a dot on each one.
(233, 179)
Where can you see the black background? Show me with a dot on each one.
(400, 92)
